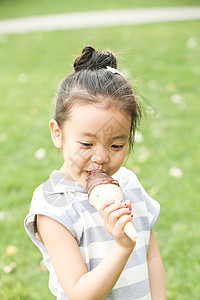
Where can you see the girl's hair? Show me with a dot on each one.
(93, 83)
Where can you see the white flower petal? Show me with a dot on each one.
(9, 268)
(40, 153)
(138, 137)
(176, 98)
(191, 43)
(175, 172)
(2, 215)
(23, 77)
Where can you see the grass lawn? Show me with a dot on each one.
(22, 8)
(163, 61)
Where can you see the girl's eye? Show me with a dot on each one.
(117, 146)
(86, 145)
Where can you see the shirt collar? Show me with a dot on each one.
(60, 184)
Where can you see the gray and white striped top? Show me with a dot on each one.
(67, 202)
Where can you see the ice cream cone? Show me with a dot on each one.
(101, 188)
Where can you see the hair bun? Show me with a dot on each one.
(92, 59)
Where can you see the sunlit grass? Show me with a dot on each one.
(23, 8)
(163, 61)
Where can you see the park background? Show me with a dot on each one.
(162, 60)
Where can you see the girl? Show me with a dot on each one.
(86, 251)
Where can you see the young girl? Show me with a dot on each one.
(86, 251)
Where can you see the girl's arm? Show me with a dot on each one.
(68, 262)
(156, 271)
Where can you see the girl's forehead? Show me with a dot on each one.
(92, 120)
(88, 111)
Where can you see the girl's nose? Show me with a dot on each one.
(100, 156)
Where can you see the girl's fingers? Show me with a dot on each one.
(113, 212)
(104, 211)
(120, 224)
(109, 207)
(127, 203)
(117, 214)
(107, 204)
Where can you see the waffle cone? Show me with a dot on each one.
(101, 193)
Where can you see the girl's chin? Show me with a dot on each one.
(81, 179)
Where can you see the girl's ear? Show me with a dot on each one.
(56, 133)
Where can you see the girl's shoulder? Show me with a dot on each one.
(58, 199)
(56, 192)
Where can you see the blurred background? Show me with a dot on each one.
(162, 60)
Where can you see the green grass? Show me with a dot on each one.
(22, 8)
(158, 58)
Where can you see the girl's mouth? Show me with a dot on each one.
(88, 173)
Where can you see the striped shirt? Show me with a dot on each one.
(67, 202)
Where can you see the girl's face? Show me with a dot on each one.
(93, 138)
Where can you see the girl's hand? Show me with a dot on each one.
(115, 216)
